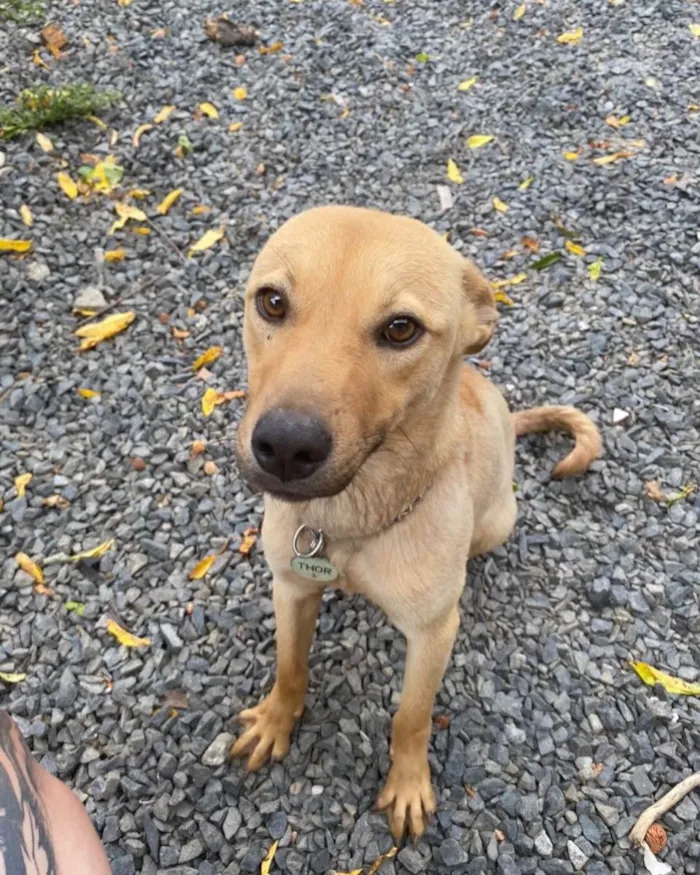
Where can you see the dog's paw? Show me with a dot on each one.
(266, 733)
(409, 797)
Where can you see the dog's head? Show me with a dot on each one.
(354, 321)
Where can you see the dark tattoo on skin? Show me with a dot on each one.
(25, 843)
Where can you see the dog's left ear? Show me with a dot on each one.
(479, 313)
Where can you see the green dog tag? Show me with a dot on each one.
(314, 568)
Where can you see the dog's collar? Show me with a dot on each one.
(312, 564)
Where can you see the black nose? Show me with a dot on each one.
(289, 444)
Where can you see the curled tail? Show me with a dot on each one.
(583, 430)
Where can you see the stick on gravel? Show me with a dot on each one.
(658, 809)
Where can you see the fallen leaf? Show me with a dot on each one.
(571, 37)
(115, 254)
(209, 401)
(12, 677)
(240, 93)
(207, 240)
(572, 156)
(234, 126)
(671, 180)
(126, 212)
(478, 140)
(269, 857)
(595, 268)
(42, 589)
(141, 231)
(184, 146)
(519, 12)
(105, 176)
(499, 205)
(44, 143)
(68, 186)
(96, 120)
(159, 33)
(168, 201)
(96, 332)
(30, 566)
(442, 721)
(453, 172)
(56, 501)
(652, 865)
(690, 489)
(180, 333)
(652, 676)
(616, 156)
(200, 210)
(26, 215)
(126, 639)
(574, 248)
(694, 107)
(208, 109)
(139, 193)
(467, 83)
(76, 607)
(615, 122)
(230, 396)
(531, 244)
(14, 245)
(510, 281)
(479, 232)
(694, 29)
(250, 536)
(54, 39)
(88, 393)
(93, 552)
(163, 114)
(175, 699)
(633, 359)
(656, 838)
(501, 298)
(546, 261)
(526, 183)
(271, 50)
(138, 133)
(654, 491)
(207, 357)
(198, 447)
(201, 568)
(21, 483)
(379, 862)
(38, 60)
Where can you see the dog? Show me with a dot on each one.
(385, 460)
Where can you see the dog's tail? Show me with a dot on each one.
(588, 444)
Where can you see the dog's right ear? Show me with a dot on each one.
(479, 313)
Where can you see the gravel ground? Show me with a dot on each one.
(547, 746)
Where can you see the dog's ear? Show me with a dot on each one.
(479, 313)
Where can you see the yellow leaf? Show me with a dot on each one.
(526, 183)
(138, 193)
(572, 156)
(519, 12)
(209, 401)
(479, 140)
(574, 248)
(652, 676)
(240, 93)
(38, 60)
(267, 862)
(88, 393)
(207, 357)
(453, 173)
(12, 677)
(126, 639)
(115, 254)
(97, 121)
(68, 186)
(694, 107)
(378, 863)
(164, 114)
(499, 205)
(21, 484)
(44, 143)
(168, 201)
(126, 212)
(30, 566)
(234, 126)
(207, 240)
(271, 50)
(571, 37)
(694, 29)
(511, 281)
(502, 298)
(595, 268)
(615, 122)
(94, 552)
(467, 83)
(209, 110)
(250, 536)
(138, 133)
(609, 159)
(96, 332)
(14, 245)
(141, 230)
(200, 210)
(201, 568)
(26, 215)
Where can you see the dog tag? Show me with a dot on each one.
(314, 568)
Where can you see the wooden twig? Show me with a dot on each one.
(661, 806)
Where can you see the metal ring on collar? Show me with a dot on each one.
(317, 542)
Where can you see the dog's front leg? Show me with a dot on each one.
(271, 722)
(408, 790)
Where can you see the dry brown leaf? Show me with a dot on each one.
(202, 567)
(656, 838)
(30, 566)
(21, 483)
(442, 721)
(654, 491)
(207, 357)
(96, 332)
(271, 50)
(126, 639)
(530, 243)
(250, 536)
(54, 39)
(168, 201)
(138, 133)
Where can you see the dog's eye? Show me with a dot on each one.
(401, 331)
(271, 304)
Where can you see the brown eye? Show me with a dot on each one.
(401, 331)
(271, 304)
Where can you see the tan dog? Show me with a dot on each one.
(384, 459)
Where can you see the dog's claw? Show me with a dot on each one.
(409, 796)
(266, 735)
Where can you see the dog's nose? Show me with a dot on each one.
(289, 444)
